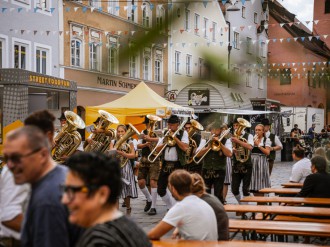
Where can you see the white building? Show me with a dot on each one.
(248, 39)
(198, 33)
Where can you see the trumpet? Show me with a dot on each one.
(215, 145)
(168, 140)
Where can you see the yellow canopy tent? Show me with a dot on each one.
(139, 102)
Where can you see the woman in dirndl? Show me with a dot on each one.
(229, 169)
(129, 185)
(260, 173)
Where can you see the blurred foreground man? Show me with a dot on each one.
(26, 152)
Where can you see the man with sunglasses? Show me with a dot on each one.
(27, 154)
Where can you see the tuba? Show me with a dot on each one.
(152, 125)
(122, 145)
(242, 154)
(100, 141)
(195, 126)
(69, 139)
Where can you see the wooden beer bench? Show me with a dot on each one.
(281, 227)
(292, 185)
(280, 191)
(234, 243)
(290, 200)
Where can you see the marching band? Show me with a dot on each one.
(219, 156)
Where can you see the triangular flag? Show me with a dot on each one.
(181, 31)
(316, 21)
(295, 39)
(84, 9)
(242, 28)
(52, 10)
(282, 24)
(19, 10)
(35, 32)
(151, 6)
(75, 9)
(67, 9)
(92, 9)
(310, 38)
(183, 44)
(243, 2)
(22, 31)
(36, 9)
(288, 39)
(3, 10)
(205, 4)
(302, 39)
(307, 22)
(224, 2)
(132, 33)
(195, 44)
(117, 8)
(170, 6)
(290, 24)
(119, 32)
(325, 36)
(47, 32)
(281, 40)
(221, 43)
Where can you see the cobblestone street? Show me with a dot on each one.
(281, 174)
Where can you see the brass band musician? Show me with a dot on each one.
(173, 156)
(242, 168)
(147, 168)
(215, 160)
(193, 167)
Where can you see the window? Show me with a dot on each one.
(177, 61)
(160, 18)
(113, 55)
(249, 45)
(285, 76)
(187, 20)
(262, 49)
(200, 67)
(188, 64)
(131, 11)
(327, 7)
(236, 40)
(206, 21)
(113, 7)
(158, 65)
(94, 50)
(243, 11)
(2, 53)
(20, 56)
(93, 3)
(76, 53)
(146, 15)
(133, 66)
(255, 18)
(248, 78)
(260, 82)
(41, 60)
(43, 4)
(214, 28)
(196, 24)
(146, 68)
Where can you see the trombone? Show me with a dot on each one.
(168, 141)
(215, 146)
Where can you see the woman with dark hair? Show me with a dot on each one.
(260, 172)
(91, 191)
(198, 189)
(129, 184)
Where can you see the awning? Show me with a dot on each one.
(243, 112)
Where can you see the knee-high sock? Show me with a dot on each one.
(146, 193)
(153, 197)
(168, 200)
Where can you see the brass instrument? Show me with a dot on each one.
(69, 139)
(215, 145)
(242, 154)
(123, 146)
(100, 142)
(168, 140)
(195, 126)
(151, 129)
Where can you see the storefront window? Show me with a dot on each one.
(53, 100)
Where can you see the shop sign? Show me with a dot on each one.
(198, 97)
(115, 83)
(45, 80)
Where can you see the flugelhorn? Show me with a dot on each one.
(215, 145)
(100, 142)
(195, 126)
(168, 141)
(151, 128)
(69, 139)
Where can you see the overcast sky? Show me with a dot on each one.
(303, 9)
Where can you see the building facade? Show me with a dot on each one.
(110, 47)
(248, 26)
(297, 62)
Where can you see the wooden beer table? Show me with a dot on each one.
(278, 191)
(290, 200)
(292, 185)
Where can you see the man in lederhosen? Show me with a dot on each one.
(214, 162)
(242, 171)
(192, 166)
(148, 170)
(173, 158)
(276, 144)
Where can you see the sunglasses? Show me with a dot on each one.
(17, 158)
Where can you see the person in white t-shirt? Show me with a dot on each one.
(193, 217)
(302, 168)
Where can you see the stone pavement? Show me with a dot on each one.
(281, 173)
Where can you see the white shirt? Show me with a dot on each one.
(300, 170)
(277, 140)
(170, 153)
(194, 218)
(13, 201)
(268, 143)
